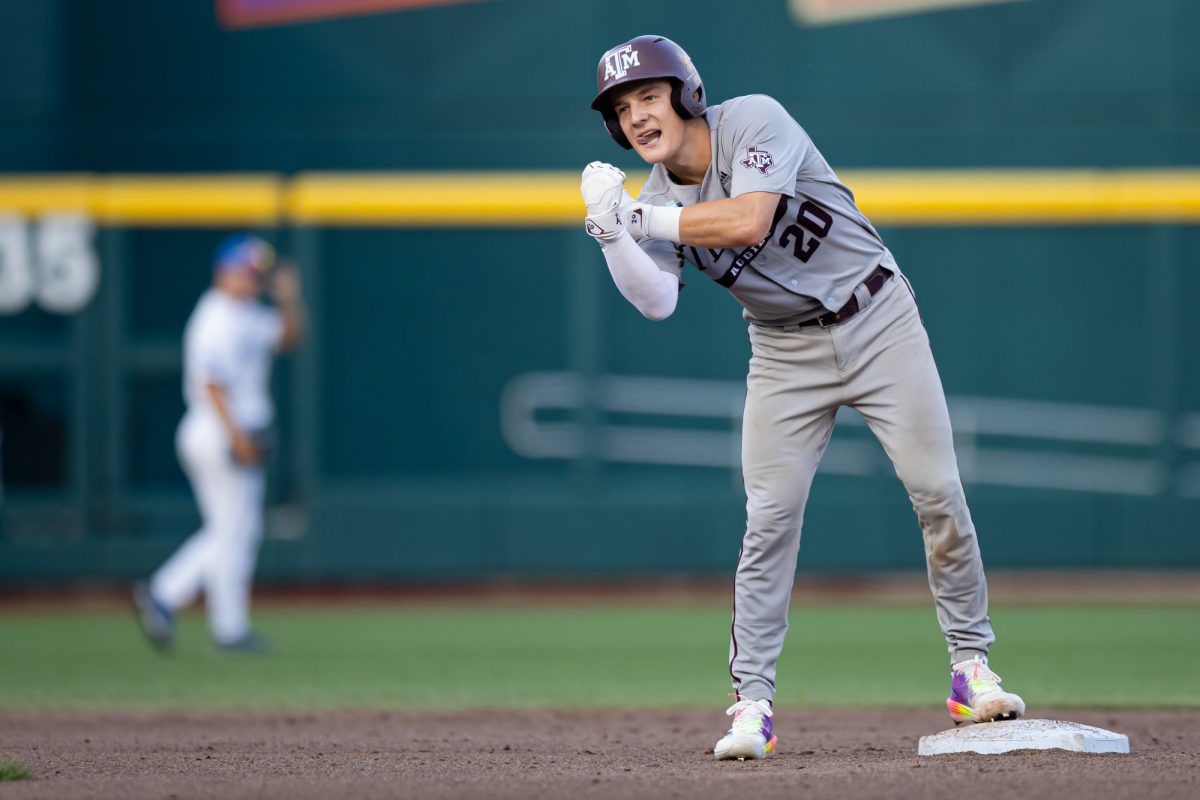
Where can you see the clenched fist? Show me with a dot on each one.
(603, 190)
(602, 187)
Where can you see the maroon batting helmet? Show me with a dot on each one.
(642, 58)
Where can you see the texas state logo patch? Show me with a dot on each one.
(758, 159)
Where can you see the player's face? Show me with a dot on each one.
(242, 282)
(649, 120)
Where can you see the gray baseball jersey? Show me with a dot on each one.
(820, 245)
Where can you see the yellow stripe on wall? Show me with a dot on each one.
(933, 198)
(1034, 197)
(150, 200)
(185, 200)
(502, 199)
(35, 195)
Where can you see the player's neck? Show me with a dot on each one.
(690, 163)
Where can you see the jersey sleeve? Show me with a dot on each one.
(766, 144)
(213, 356)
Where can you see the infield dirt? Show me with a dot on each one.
(576, 754)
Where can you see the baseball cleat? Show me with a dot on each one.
(750, 735)
(976, 696)
(153, 618)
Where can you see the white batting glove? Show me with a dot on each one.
(603, 190)
(602, 186)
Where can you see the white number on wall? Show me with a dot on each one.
(52, 262)
(16, 274)
(68, 271)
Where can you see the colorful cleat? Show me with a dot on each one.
(750, 735)
(976, 696)
(153, 617)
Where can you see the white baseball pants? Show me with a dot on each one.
(879, 363)
(218, 559)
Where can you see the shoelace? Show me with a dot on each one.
(748, 715)
(981, 677)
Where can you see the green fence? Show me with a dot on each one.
(457, 416)
(480, 402)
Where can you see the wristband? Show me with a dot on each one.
(662, 222)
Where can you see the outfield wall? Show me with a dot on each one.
(459, 418)
(477, 401)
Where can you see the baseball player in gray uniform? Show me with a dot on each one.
(740, 191)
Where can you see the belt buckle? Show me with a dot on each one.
(821, 320)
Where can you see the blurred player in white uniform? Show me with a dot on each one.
(229, 343)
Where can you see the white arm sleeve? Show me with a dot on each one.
(651, 289)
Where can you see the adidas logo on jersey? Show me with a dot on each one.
(725, 179)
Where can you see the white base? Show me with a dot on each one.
(1023, 734)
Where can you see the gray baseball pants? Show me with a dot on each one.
(879, 363)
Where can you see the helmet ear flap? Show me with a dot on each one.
(618, 135)
(677, 99)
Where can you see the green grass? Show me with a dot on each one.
(595, 655)
(12, 771)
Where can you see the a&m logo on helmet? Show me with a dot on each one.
(617, 62)
(757, 159)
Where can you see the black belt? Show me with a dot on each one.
(874, 283)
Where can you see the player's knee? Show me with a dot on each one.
(936, 494)
(770, 525)
(776, 510)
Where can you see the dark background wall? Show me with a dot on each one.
(1069, 352)
(145, 85)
